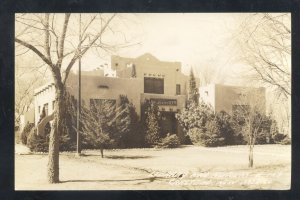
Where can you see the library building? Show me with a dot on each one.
(140, 79)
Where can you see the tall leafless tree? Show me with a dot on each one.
(54, 39)
(210, 72)
(28, 76)
(265, 43)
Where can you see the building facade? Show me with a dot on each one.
(27, 117)
(141, 78)
(230, 98)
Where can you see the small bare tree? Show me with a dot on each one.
(250, 112)
(98, 123)
(100, 126)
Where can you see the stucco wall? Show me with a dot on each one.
(223, 97)
(207, 95)
(28, 117)
(43, 95)
(226, 96)
(149, 66)
(92, 88)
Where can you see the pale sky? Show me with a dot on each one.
(192, 39)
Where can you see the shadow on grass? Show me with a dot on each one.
(116, 156)
(126, 157)
(150, 179)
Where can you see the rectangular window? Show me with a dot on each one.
(154, 85)
(39, 109)
(53, 105)
(178, 89)
(46, 109)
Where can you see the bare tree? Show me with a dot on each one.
(98, 123)
(265, 43)
(23, 97)
(210, 72)
(250, 112)
(28, 75)
(54, 39)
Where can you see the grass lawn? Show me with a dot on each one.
(188, 167)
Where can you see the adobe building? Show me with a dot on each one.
(141, 78)
(27, 117)
(229, 98)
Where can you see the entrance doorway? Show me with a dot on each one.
(168, 123)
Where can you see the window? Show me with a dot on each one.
(178, 89)
(103, 86)
(39, 109)
(53, 105)
(46, 109)
(153, 85)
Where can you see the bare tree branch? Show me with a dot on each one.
(62, 39)
(77, 55)
(35, 50)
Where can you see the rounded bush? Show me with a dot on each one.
(170, 141)
(25, 132)
(37, 143)
(195, 135)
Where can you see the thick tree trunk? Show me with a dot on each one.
(53, 162)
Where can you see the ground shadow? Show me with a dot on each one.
(149, 179)
(116, 156)
(126, 157)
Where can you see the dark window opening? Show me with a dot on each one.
(103, 86)
(46, 109)
(153, 85)
(178, 89)
(168, 123)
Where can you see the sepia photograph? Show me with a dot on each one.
(152, 101)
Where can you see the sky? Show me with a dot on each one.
(194, 39)
(197, 40)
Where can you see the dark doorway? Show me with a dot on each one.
(168, 123)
